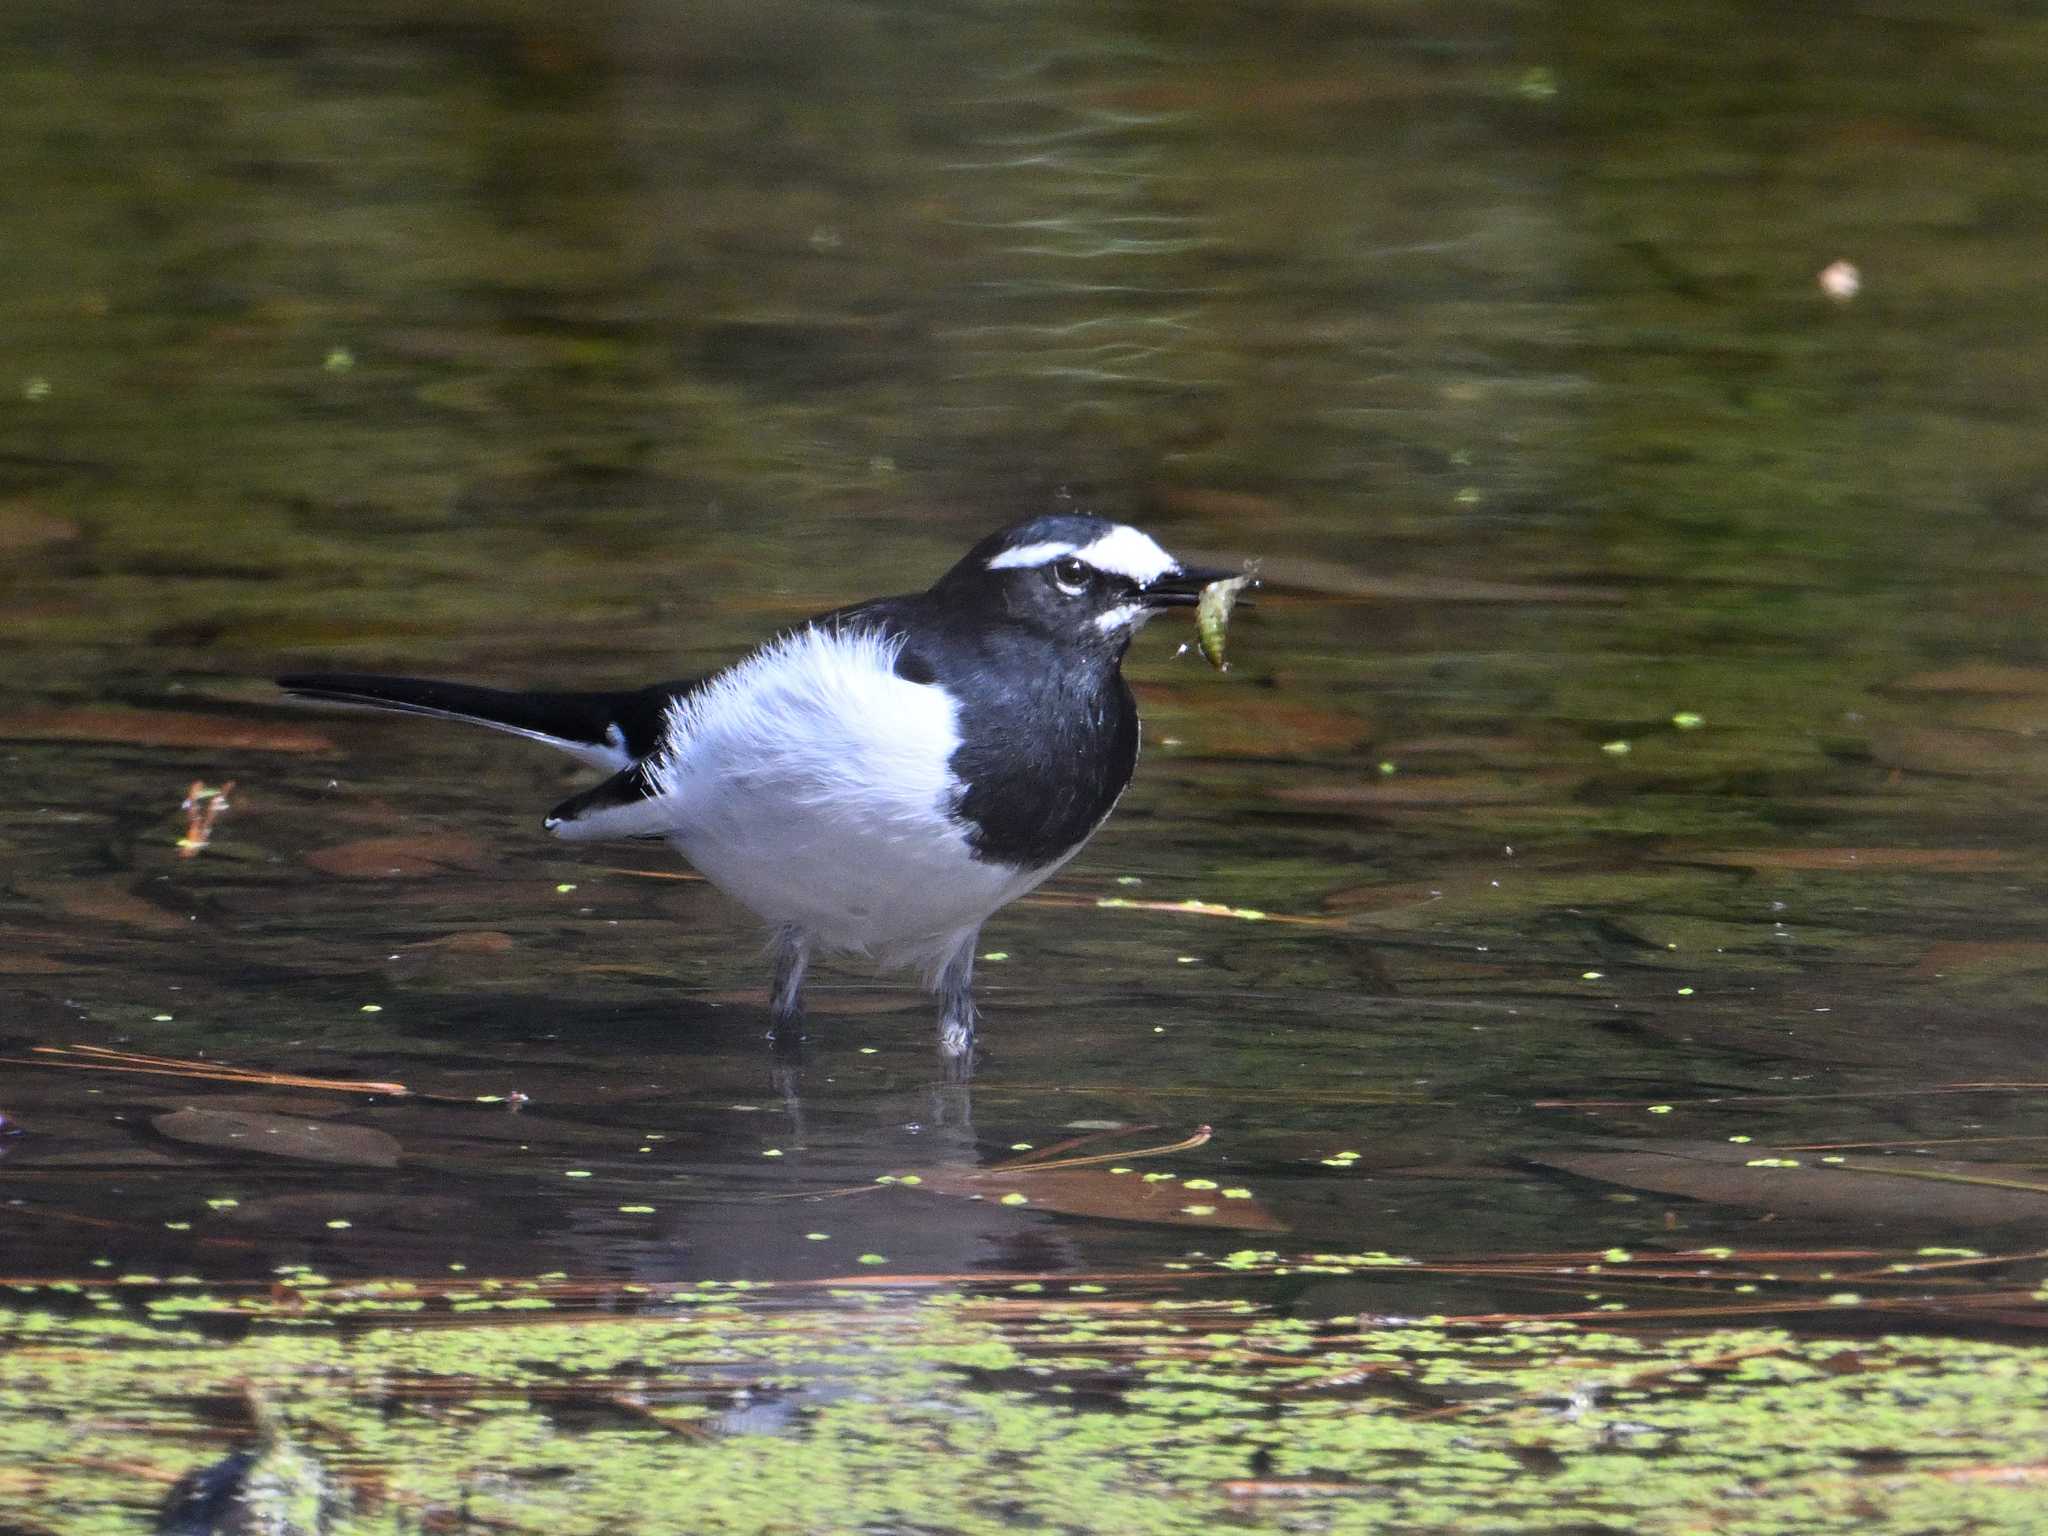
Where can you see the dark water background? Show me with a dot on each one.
(513, 343)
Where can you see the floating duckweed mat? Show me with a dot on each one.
(1105, 1407)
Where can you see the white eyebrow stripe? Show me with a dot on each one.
(1032, 554)
(1123, 551)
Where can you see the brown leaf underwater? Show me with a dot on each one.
(161, 728)
(1859, 1188)
(403, 857)
(288, 1136)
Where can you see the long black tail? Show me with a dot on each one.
(609, 730)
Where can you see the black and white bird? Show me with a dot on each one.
(881, 778)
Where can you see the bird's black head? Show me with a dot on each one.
(1087, 580)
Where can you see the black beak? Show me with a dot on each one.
(1182, 588)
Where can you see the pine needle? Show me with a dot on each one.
(1038, 1162)
(98, 1058)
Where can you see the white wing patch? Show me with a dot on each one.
(822, 712)
(1123, 551)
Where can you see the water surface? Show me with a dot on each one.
(1636, 758)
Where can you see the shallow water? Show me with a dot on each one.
(1639, 745)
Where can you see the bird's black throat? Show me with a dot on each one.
(1044, 752)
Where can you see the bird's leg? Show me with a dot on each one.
(786, 996)
(954, 984)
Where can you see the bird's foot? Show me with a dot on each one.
(786, 1080)
(786, 993)
(955, 987)
(956, 1040)
(786, 1030)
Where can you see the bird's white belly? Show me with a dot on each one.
(854, 893)
(814, 786)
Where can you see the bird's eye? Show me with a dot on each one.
(1070, 576)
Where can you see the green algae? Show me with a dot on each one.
(958, 1412)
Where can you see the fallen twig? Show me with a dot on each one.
(102, 1059)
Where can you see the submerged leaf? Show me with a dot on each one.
(105, 901)
(1258, 724)
(405, 857)
(469, 941)
(1955, 750)
(280, 1136)
(2026, 716)
(23, 527)
(1099, 1193)
(162, 728)
(1332, 578)
(1432, 790)
(1983, 957)
(1853, 858)
(1858, 1188)
(1977, 677)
